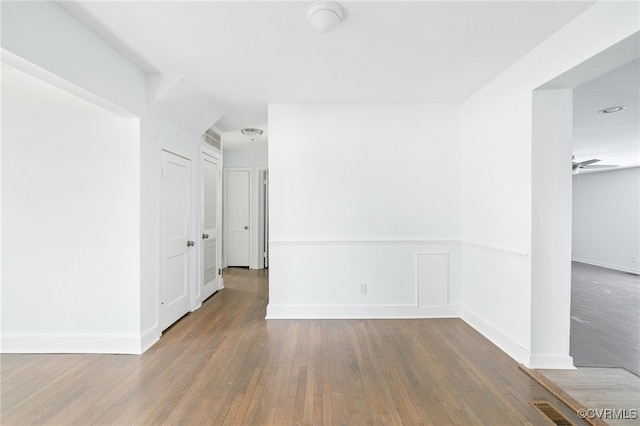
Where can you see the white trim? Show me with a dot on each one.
(175, 151)
(606, 265)
(497, 337)
(218, 131)
(518, 254)
(71, 343)
(360, 312)
(150, 337)
(210, 151)
(447, 241)
(551, 362)
(363, 242)
(12, 60)
(262, 224)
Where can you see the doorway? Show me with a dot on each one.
(552, 204)
(238, 215)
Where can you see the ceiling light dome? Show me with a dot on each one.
(325, 15)
(252, 133)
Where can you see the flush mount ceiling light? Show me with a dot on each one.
(325, 15)
(252, 133)
(611, 110)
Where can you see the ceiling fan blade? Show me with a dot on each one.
(585, 163)
(599, 166)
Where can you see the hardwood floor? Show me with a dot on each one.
(602, 388)
(226, 364)
(605, 318)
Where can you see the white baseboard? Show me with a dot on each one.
(149, 338)
(70, 343)
(550, 362)
(606, 265)
(360, 312)
(497, 337)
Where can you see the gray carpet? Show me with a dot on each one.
(605, 318)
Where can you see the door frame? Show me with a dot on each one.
(551, 225)
(162, 146)
(263, 218)
(225, 221)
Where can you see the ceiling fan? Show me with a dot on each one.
(576, 166)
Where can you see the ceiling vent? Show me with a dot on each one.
(212, 138)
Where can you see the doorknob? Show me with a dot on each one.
(205, 236)
(190, 243)
(246, 227)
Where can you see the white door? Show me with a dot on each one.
(211, 224)
(176, 262)
(238, 215)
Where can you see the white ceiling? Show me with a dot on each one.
(611, 138)
(245, 55)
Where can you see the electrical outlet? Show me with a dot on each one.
(363, 288)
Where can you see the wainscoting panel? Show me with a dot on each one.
(364, 279)
(433, 279)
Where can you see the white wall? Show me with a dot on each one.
(356, 191)
(248, 157)
(551, 228)
(71, 247)
(497, 188)
(606, 219)
(47, 37)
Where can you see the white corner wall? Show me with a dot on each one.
(497, 189)
(48, 38)
(551, 228)
(70, 219)
(606, 219)
(356, 193)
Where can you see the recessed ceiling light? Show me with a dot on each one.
(611, 110)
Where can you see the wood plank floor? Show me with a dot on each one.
(603, 389)
(605, 317)
(226, 364)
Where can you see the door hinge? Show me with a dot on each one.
(219, 271)
(161, 171)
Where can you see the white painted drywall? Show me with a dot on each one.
(606, 219)
(356, 191)
(71, 246)
(245, 157)
(551, 227)
(497, 182)
(45, 35)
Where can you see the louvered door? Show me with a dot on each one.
(211, 220)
